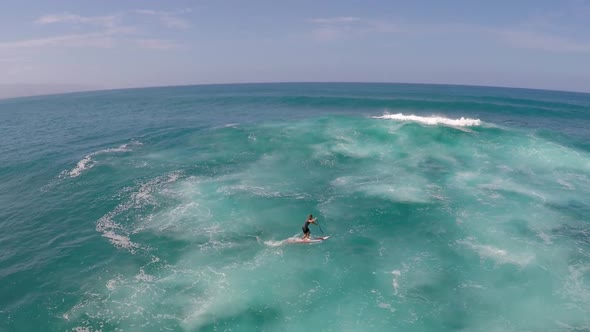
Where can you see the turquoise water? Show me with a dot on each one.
(169, 209)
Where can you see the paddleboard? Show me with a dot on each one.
(313, 240)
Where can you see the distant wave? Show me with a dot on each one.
(432, 120)
(87, 162)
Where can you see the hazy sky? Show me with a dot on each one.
(65, 44)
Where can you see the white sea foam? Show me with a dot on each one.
(255, 190)
(142, 276)
(119, 241)
(116, 233)
(274, 243)
(386, 188)
(385, 306)
(81, 329)
(396, 274)
(112, 231)
(500, 256)
(576, 288)
(83, 164)
(87, 162)
(545, 237)
(432, 120)
(566, 184)
(112, 284)
(258, 191)
(471, 284)
(511, 186)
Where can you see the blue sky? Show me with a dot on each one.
(115, 44)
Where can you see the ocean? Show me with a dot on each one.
(449, 208)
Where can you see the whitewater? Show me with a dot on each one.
(178, 209)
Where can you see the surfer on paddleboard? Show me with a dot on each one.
(305, 228)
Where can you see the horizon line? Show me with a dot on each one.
(271, 82)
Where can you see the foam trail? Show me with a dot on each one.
(274, 243)
(432, 120)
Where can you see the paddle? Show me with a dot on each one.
(320, 227)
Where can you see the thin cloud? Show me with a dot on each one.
(168, 19)
(104, 21)
(98, 40)
(108, 27)
(338, 28)
(157, 44)
(175, 22)
(547, 37)
(329, 33)
(110, 31)
(335, 20)
(146, 11)
(161, 12)
(335, 28)
(542, 42)
(386, 27)
(554, 31)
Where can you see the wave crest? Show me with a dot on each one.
(431, 120)
(87, 162)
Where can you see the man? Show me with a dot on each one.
(305, 228)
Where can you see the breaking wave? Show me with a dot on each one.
(432, 120)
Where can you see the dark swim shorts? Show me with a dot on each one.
(305, 229)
